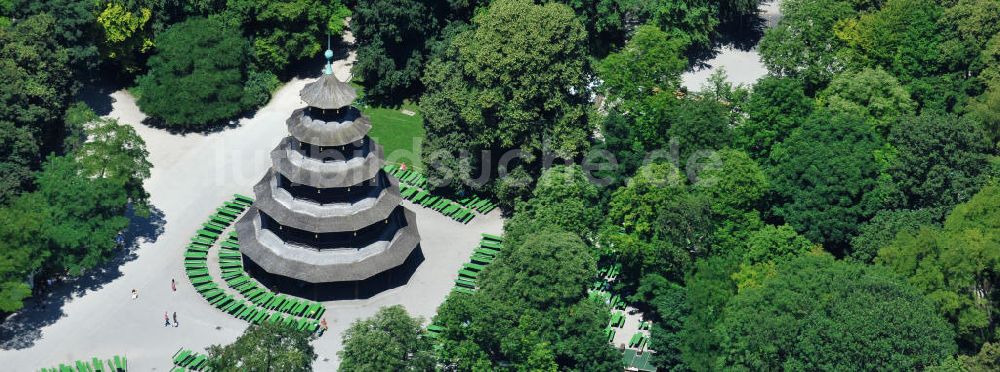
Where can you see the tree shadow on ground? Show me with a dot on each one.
(742, 34)
(22, 329)
(98, 96)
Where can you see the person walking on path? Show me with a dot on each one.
(166, 319)
(135, 294)
(173, 284)
(175, 320)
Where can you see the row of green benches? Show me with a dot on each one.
(413, 187)
(639, 340)
(196, 266)
(416, 179)
(487, 251)
(231, 263)
(185, 360)
(489, 248)
(437, 203)
(115, 364)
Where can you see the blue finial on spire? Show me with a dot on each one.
(329, 57)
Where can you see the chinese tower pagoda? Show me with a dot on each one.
(327, 220)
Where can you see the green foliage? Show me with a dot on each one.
(126, 34)
(955, 266)
(36, 80)
(693, 21)
(902, 36)
(86, 214)
(392, 38)
(196, 75)
(651, 63)
(824, 177)
(774, 109)
(698, 127)
(985, 109)
(882, 229)
(258, 88)
(671, 307)
(938, 159)
(531, 310)
(709, 289)
(515, 81)
(74, 29)
(283, 32)
(733, 181)
(23, 248)
(550, 268)
(265, 347)
(563, 197)
(389, 340)
(802, 45)
(18, 155)
(870, 93)
(115, 152)
(822, 314)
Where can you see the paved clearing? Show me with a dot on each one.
(192, 174)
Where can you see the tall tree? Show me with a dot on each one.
(283, 32)
(871, 93)
(115, 151)
(389, 340)
(196, 76)
(24, 224)
(86, 215)
(776, 107)
(939, 159)
(75, 29)
(392, 38)
(265, 347)
(563, 197)
(825, 177)
(818, 313)
(956, 266)
(516, 81)
(802, 44)
(35, 74)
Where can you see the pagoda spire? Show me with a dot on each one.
(328, 70)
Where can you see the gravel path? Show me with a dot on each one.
(192, 174)
(742, 67)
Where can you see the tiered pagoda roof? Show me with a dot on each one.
(326, 211)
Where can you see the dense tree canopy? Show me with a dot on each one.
(802, 45)
(531, 312)
(392, 37)
(565, 197)
(390, 340)
(822, 314)
(514, 81)
(265, 347)
(774, 109)
(825, 177)
(956, 266)
(36, 81)
(870, 93)
(196, 75)
(938, 159)
(283, 32)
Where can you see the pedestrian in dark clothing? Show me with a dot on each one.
(175, 320)
(173, 285)
(166, 319)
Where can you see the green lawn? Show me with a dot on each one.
(399, 134)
